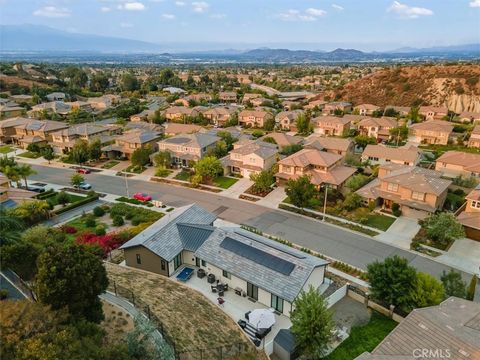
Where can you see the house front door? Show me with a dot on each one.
(252, 291)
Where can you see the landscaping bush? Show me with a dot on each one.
(98, 211)
(76, 204)
(136, 220)
(146, 216)
(3, 294)
(89, 221)
(118, 220)
(106, 242)
(68, 229)
(396, 210)
(62, 198)
(100, 230)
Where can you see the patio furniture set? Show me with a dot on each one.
(258, 324)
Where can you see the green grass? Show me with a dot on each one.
(110, 164)
(5, 149)
(79, 224)
(134, 169)
(163, 172)
(30, 155)
(224, 182)
(379, 221)
(71, 197)
(183, 175)
(363, 338)
(134, 201)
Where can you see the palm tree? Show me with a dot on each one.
(11, 172)
(25, 171)
(11, 226)
(33, 211)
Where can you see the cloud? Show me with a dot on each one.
(200, 6)
(218, 16)
(311, 14)
(52, 12)
(105, 9)
(475, 4)
(132, 6)
(337, 7)
(126, 25)
(315, 12)
(180, 3)
(168, 16)
(408, 12)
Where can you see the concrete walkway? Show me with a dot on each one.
(463, 254)
(274, 198)
(238, 188)
(401, 232)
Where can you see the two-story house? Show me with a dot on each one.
(474, 141)
(286, 120)
(366, 109)
(331, 125)
(381, 154)
(433, 112)
(23, 131)
(418, 191)
(248, 97)
(187, 148)
(179, 113)
(431, 132)
(130, 141)
(343, 106)
(470, 217)
(172, 129)
(228, 96)
(339, 146)
(322, 167)
(219, 115)
(254, 118)
(57, 107)
(458, 163)
(379, 128)
(250, 157)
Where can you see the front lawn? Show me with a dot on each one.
(30, 155)
(81, 227)
(363, 338)
(5, 149)
(380, 221)
(183, 175)
(224, 181)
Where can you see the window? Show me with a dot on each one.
(139, 260)
(197, 262)
(204, 263)
(252, 291)
(373, 158)
(392, 187)
(475, 204)
(277, 303)
(226, 274)
(177, 261)
(418, 195)
(162, 264)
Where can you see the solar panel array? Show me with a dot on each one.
(260, 257)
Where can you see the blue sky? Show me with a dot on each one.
(310, 24)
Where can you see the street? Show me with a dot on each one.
(338, 243)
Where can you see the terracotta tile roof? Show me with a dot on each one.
(328, 143)
(469, 219)
(386, 152)
(311, 157)
(175, 128)
(469, 161)
(367, 107)
(434, 125)
(384, 121)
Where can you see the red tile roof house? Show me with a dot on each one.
(433, 112)
(470, 217)
(379, 128)
(282, 139)
(254, 118)
(332, 145)
(455, 163)
(474, 141)
(418, 191)
(331, 125)
(381, 154)
(322, 168)
(366, 109)
(432, 132)
(176, 128)
(286, 120)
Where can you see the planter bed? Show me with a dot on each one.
(134, 201)
(249, 198)
(251, 192)
(110, 164)
(75, 204)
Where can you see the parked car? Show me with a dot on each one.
(142, 196)
(83, 171)
(84, 186)
(37, 189)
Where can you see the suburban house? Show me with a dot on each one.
(252, 265)
(130, 141)
(432, 132)
(23, 131)
(449, 330)
(248, 97)
(56, 96)
(469, 116)
(80, 105)
(433, 112)
(401, 110)
(219, 115)
(455, 163)
(227, 96)
(286, 120)
(381, 154)
(342, 106)
(185, 148)
(261, 101)
(21, 98)
(143, 115)
(331, 125)
(250, 157)
(332, 145)
(418, 191)
(172, 129)
(104, 102)
(282, 139)
(379, 128)
(470, 216)
(10, 196)
(316, 104)
(142, 125)
(366, 109)
(322, 167)
(474, 140)
(53, 107)
(199, 97)
(254, 118)
(8, 111)
(179, 113)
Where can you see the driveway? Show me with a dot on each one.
(401, 232)
(274, 198)
(463, 254)
(238, 188)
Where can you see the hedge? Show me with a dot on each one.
(76, 204)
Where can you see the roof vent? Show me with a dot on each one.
(423, 326)
(464, 353)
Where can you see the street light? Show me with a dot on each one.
(325, 202)
(126, 184)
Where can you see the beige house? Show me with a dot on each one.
(379, 128)
(316, 104)
(7, 111)
(432, 132)
(219, 115)
(179, 113)
(172, 129)
(433, 112)
(322, 168)
(57, 107)
(185, 148)
(418, 191)
(381, 154)
(456, 163)
(104, 102)
(331, 125)
(132, 140)
(474, 140)
(250, 157)
(249, 97)
(469, 117)
(286, 120)
(283, 139)
(339, 146)
(253, 118)
(470, 217)
(331, 107)
(228, 96)
(365, 109)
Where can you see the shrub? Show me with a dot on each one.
(98, 211)
(68, 229)
(129, 216)
(136, 220)
(63, 198)
(396, 210)
(3, 294)
(118, 220)
(106, 242)
(89, 221)
(100, 230)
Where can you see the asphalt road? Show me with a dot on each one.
(335, 242)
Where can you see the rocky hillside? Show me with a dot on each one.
(456, 86)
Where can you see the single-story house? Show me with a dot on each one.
(381, 154)
(455, 163)
(340, 146)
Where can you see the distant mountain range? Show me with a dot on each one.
(18, 40)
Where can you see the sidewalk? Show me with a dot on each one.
(274, 198)
(238, 188)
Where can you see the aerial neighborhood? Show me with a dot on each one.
(218, 212)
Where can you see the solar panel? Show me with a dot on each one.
(260, 257)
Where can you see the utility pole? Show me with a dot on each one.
(126, 184)
(325, 203)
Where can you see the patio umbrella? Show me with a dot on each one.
(262, 318)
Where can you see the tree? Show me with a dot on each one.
(21, 257)
(400, 132)
(11, 172)
(443, 227)
(392, 281)
(291, 149)
(208, 168)
(312, 323)
(300, 191)
(99, 82)
(364, 140)
(95, 149)
(162, 159)
(356, 182)
(352, 201)
(24, 171)
(262, 181)
(453, 284)
(428, 291)
(471, 288)
(11, 226)
(48, 153)
(63, 198)
(303, 124)
(129, 82)
(220, 149)
(141, 156)
(32, 212)
(269, 124)
(69, 276)
(76, 179)
(227, 138)
(79, 152)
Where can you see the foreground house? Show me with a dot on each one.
(418, 191)
(470, 216)
(366, 109)
(450, 330)
(322, 168)
(23, 131)
(286, 120)
(379, 128)
(332, 145)
(331, 125)
(381, 154)
(432, 132)
(250, 157)
(264, 270)
(456, 163)
(132, 140)
(474, 141)
(254, 118)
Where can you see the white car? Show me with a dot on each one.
(84, 186)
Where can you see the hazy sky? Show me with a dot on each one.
(313, 24)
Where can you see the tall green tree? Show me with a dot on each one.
(428, 291)
(10, 225)
(69, 276)
(162, 159)
(99, 82)
(303, 124)
(364, 140)
(312, 323)
(141, 156)
(208, 168)
(443, 227)
(453, 284)
(95, 149)
(76, 179)
(24, 171)
(129, 82)
(31, 212)
(48, 153)
(262, 181)
(300, 191)
(79, 153)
